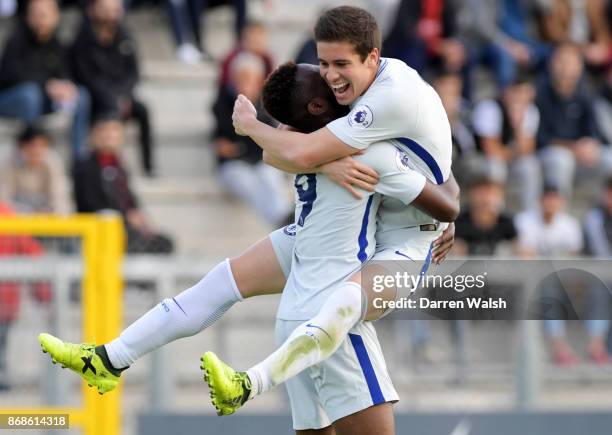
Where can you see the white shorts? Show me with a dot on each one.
(283, 241)
(418, 248)
(412, 258)
(415, 247)
(354, 378)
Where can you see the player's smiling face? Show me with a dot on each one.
(344, 71)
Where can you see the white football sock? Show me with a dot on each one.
(311, 342)
(190, 312)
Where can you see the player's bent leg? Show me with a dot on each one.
(393, 274)
(184, 315)
(181, 316)
(310, 343)
(375, 420)
(379, 294)
(313, 341)
(198, 307)
(258, 270)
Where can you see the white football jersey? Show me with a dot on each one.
(400, 106)
(335, 231)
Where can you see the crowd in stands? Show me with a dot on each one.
(93, 80)
(527, 86)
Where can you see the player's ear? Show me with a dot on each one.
(373, 57)
(317, 106)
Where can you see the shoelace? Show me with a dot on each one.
(88, 347)
(245, 381)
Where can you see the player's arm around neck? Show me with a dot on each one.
(299, 150)
(277, 163)
(346, 172)
(283, 165)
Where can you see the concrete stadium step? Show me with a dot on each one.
(174, 157)
(177, 189)
(179, 108)
(219, 227)
(288, 25)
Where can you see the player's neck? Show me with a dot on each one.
(371, 79)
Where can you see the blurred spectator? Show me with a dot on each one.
(500, 35)
(603, 109)
(10, 294)
(101, 183)
(241, 169)
(598, 226)
(33, 180)
(506, 130)
(568, 135)
(484, 226)
(548, 233)
(186, 21)
(34, 77)
(580, 21)
(598, 243)
(448, 85)
(104, 60)
(308, 52)
(483, 230)
(188, 48)
(254, 40)
(384, 12)
(8, 8)
(425, 34)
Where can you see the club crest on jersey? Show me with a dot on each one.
(361, 117)
(402, 160)
(290, 230)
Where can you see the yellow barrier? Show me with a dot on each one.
(103, 246)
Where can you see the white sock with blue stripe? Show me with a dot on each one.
(311, 342)
(184, 315)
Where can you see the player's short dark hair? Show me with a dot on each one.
(290, 89)
(349, 24)
(279, 92)
(29, 133)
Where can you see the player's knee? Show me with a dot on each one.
(326, 338)
(348, 301)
